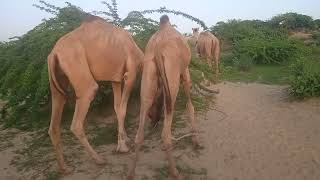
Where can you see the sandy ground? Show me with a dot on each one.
(263, 136)
(254, 133)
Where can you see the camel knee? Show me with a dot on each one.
(129, 77)
(166, 142)
(52, 131)
(90, 92)
(54, 134)
(190, 106)
(77, 131)
(166, 146)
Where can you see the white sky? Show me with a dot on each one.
(19, 16)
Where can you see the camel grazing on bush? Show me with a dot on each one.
(95, 51)
(166, 61)
(208, 47)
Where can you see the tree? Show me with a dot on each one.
(292, 21)
(317, 23)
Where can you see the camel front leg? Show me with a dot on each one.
(129, 79)
(116, 86)
(186, 82)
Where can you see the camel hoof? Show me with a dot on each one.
(196, 145)
(122, 148)
(176, 175)
(67, 170)
(127, 139)
(130, 177)
(99, 161)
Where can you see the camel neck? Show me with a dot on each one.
(165, 25)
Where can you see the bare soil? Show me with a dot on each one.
(253, 131)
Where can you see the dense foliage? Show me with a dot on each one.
(256, 42)
(251, 43)
(270, 50)
(24, 74)
(305, 80)
(293, 21)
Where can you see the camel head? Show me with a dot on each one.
(164, 21)
(195, 32)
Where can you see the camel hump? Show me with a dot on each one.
(92, 18)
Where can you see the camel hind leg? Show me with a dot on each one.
(58, 101)
(77, 126)
(76, 68)
(148, 91)
(173, 77)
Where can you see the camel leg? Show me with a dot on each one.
(173, 80)
(116, 86)
(58, 102)
(129, 79)
(217, 56)
(186, 82)
(82, 107)
(148, 92)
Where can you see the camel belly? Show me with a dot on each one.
(107, 65)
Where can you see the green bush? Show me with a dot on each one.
(293, 22)
(305, 80)
(24, 75)
(243, 63)
(270, 51)
(236, 30)
(227, 59)
(316, 37)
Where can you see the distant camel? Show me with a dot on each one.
(208, 47)
(95, 51)
(166, 61)
(193, 38)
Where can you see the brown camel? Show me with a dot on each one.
(95, 51)
(194, 37)
(166, 61)
(208, 47)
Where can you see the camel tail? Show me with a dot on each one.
(52, 65)
(159, 60)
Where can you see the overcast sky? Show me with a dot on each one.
(19, 16)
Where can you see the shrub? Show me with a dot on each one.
(316, 37)
(293, 21)
(305, 79)
(270, 51)
(243, 63)
(227, 59)
(236, 30)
